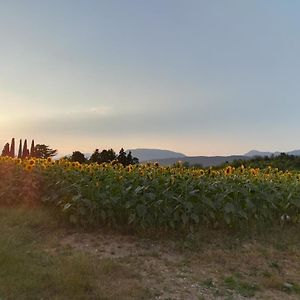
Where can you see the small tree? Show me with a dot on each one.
(103, 156)
(107, 156)
(122, 158)
(78, 156)
(32, 149)
(135, 161)
(95, 157)
(12, 148)
(5, 151)
(131, 160)
(44, 151)
(20, 149)
(25, 150)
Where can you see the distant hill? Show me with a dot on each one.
(154, 154)
(205, 161)
(254, 153)
(294, 152)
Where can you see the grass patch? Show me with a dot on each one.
(42, 257)
(28, 271)
(209, 283)
(241, 287)
(291, 287)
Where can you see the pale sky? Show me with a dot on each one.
(210, 77)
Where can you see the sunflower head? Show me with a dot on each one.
(201, 172)
(228, 170)
(28, 168)
(18, 161)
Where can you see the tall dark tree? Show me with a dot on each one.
(78, 156)
(95, 157)
(20, 149)
(107, 156)
(44, 151)
(32, 149)
(103, 156)
(122, 158)
(129, 158)
(25, 150)
(5, 151)
(12, 148)
(135, 161)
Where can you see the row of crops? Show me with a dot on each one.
(151, 196)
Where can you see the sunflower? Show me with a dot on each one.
(201, 172)
(228, 170)
(28, 168)
(242, 169)
(254, 172)
(31, 162)
(18, 161)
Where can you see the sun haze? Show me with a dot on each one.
(199, 77)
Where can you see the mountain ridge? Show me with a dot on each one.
(253, 153)
(146, 154)
(168, 157)
(204, 161)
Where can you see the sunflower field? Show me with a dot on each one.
(151, 196)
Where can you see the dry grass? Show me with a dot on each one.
(41, 258)
(29, 271)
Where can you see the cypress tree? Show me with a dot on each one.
(5, 151)
(129, 159)
(32, 154)
(20, 149)
(12, 148)
(95, 157)
(122, 159)
(25, 150)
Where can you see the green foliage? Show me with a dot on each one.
(130, 160)
(126, 160)
(43, 151)
(29, 271)
(95, 157)
(241, 287)
(107, 156)
(283, 162)
(77, 156)
(150, 196)
(122, 159)
(103, 156)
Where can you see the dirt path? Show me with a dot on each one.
(251, 271)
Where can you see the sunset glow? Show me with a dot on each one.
(198, 77)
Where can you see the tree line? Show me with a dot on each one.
(105, 156)
(44, 151)
(283, 162)
(37, 151)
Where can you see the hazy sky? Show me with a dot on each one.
(199, 77)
